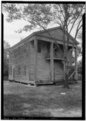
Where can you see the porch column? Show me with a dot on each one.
(76, 66)
(51, 62)
(35, 65)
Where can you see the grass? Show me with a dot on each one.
(43, 101)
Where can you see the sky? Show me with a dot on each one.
(13, 37)
(10, 34)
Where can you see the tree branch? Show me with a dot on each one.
(78, 28)
(73, 24)
(61, 9)
(75, 20)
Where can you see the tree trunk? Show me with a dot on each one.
(66, 85)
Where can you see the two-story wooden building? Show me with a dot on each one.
(39, 57)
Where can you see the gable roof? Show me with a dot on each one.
(42, 32)
(47, 31)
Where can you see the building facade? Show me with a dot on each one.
(39, 57)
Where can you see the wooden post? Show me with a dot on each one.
(35, 51)
(52, 61)
(76, 67)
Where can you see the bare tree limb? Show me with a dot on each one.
(78, 28)
(73, 24)
(61, 9)
(75, 20)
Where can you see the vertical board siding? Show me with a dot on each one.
(10, 66)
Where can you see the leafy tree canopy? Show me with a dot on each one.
(43, 14)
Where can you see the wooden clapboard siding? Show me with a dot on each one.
(43, 72)
(10, 67)
(22, 77)
(52, 61)
(43, 68)
(11, 63)
(21, 60)
(25, 61)
(59, 77)
(31, 62)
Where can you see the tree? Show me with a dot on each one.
(71, 14)
(41, 15)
